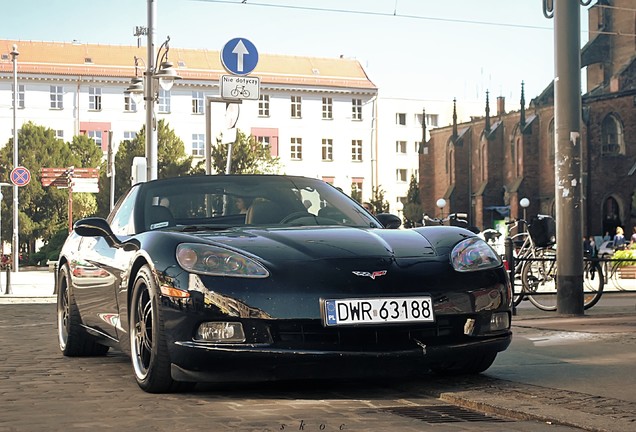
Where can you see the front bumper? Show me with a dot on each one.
(199, 362)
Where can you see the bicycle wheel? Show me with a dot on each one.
(518, 291)
(539, 280)
(593, 283)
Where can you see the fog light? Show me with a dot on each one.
(499, 321)
(220, 332)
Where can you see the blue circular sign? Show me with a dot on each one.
(239, 56)
(20, 176)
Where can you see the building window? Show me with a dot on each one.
(57, 97)
(296, 149)
(197, 102)
(59, 134)
(432, 120)
(612, 139)
(129, 104)
(400, 119)
(97, 137)
(94, 99)
(400, 175)
(327, 149)
(264, 141)
(198, 145)
(400, 147)
(295, 107)
(20, 96)
(327, 108)
(164, 101)
(356, 150)
(263, 106)
(130, 135)
(356, 109)
(417, 147)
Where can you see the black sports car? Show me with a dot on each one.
(258, 277)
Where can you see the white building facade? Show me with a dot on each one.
(400, 134)
(322, 117)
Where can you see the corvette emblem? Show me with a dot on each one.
(372, 275)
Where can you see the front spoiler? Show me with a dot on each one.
(202, 363)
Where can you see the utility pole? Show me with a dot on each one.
(568, 156)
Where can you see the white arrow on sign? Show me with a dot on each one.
(240, 51)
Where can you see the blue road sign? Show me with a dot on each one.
(20, 176)
(239, 56)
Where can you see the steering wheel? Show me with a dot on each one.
(295, 215)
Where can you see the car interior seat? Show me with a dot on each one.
(160, 217)
(263, 211)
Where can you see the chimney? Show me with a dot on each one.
(501, 105)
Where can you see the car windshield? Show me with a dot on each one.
(218, 202)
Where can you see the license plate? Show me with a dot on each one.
(377, 310)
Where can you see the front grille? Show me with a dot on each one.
(312, 333)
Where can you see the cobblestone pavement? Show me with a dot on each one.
(40, 390)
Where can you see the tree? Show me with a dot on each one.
(248, 157)
(377, 200)
(42, 211)
(412, 208)
(172, 161)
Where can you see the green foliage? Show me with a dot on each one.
(172, 161)
(42, 210)
(377, 200)
(412, 209)
(88, 153)
(248, 157)
(413, 194)
(629, 255)
(51, 249)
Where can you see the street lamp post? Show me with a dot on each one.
(165, 75)
(524, 202)
(441, 203)
(1, 198)
(15, 250)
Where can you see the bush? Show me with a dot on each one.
(629, 255)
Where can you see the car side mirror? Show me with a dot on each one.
(99, 227)
(389, 221)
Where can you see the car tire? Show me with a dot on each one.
(475, 364)
(73, 339)
(148, 345)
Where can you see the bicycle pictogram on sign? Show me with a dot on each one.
(20, 176)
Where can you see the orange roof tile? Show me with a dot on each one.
(117, 61)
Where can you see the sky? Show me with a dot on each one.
(412, 49)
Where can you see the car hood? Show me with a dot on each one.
(310, 243)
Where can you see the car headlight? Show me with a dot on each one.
(474, 254)
(217, 261)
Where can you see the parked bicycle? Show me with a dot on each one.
(539, 269)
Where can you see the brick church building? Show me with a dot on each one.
(486, 166)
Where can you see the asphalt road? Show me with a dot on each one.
(40, 390)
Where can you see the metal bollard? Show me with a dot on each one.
(55, 278)
(8, 290)
(510, 258)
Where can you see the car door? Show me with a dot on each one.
(98, 271)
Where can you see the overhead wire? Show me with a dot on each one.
(414, 17)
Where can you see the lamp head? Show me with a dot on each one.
(135, 89)
(166, 75)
